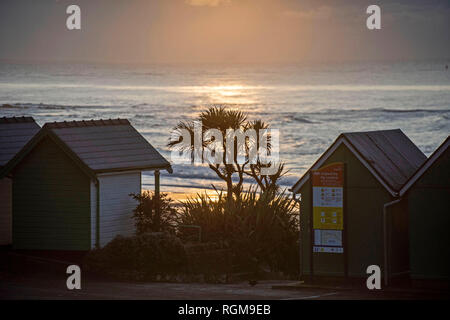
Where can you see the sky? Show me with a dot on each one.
(224, 31)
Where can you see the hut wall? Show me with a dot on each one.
(93, 195)
(429, 222)
(116, 206)
(5, 211)
(398, 239)
(51, 201)
(365, 198)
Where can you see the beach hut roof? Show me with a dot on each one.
(15, 132)
(425, 166)
(388, 154)
(99, 146)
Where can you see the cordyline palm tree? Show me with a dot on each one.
(220, 118)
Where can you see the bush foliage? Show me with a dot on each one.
(139, 257)
(257, 231)
(148, 219)
(262, 229)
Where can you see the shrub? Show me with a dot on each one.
(208, 214)
(261, 229)
(211, 258)
(148, 219)
(139, 257)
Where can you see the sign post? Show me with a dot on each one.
(328, 209)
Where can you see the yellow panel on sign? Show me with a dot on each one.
(328, 218)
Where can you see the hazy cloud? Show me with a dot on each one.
(209, 3)
(223, 31)
(324, 12)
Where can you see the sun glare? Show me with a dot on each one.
(227, 94)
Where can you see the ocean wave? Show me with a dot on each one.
(10, 106)
(48, 106)
(303, 120)
(201, 176)
(353, 111)
(414, 110)
(144, 116)
(34, 105)
(321, 116)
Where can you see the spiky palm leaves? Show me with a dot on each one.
(222, 119)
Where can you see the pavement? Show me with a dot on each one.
(45, 286)
(46, 279)
(53, 286)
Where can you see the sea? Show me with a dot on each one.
(310, 104)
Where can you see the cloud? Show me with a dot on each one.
(207, 3)
(316, 13)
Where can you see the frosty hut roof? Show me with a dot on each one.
(99, 146)
(388, 154)
(15, 132)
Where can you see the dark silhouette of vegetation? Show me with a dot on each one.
(139, 257)
(262, 230)
(258, 228)
(221, 119)
(148, 219)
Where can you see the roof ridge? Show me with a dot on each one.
(398, 165)
(16, 119)
(371, 131)
(86, 123)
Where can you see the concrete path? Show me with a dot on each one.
(27, 277)
(53, 286)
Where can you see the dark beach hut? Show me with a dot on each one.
(346, 223)
(72, 180)
(427, 197)
(15, 132)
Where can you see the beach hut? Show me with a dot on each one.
(346, 201)
(72, 180)
(15, 132)
(427, 194)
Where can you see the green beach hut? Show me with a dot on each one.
(72, 180)
(15, 132)
(427, 197)
(351, 224)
